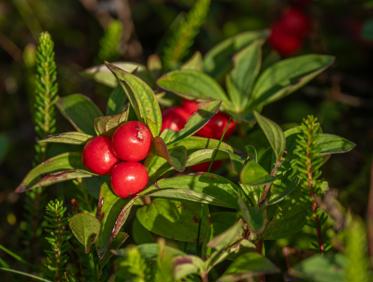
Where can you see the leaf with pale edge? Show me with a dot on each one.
(141, 97)
(273, 132)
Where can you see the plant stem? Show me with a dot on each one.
(267, 187)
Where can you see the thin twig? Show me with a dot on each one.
(267, 187)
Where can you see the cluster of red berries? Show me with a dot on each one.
(120, 157)
(288, 33)
(121, 154)
(175, 118)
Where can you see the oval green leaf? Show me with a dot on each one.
(333, 144)
(85, 228)
(103, 75)
(141, 97)
(192, 84)
(174, 220)
(60, 162)
(219, 59)
(219, 190)
(273, 132)
(287, 76)
(72, 137)
(254, 174)
(80, 111)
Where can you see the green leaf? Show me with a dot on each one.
(255, 217)
(105, 124)
(287, 76)
(80, 111)
(205, 155)
(248, 264)
(140, 235)
(72, 137)
(117, 101)
(108, 209)
(103, 75)
(218, 60)
(273, 132)
(157, 166)
(122, 216)
(228, 237)
(61, 162)
(197, 121)
(321, 268)
(61, 176)
(192, 143)
(333, 144)
(141, 97)
(207, 187)
(85, 228)
(174, 220)
(194, 63)
(288, 216)
(246, 68)
(221, 221)
(176, 158)
(192, 84)
(254, 174)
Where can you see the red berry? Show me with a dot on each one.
(283, 42)
(174, 118)
(98, 156)
(295, 22)
(132, 141)
(190, 106)
(216, 126)
(205, 166)
(128, 179)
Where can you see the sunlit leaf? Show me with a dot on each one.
(73, 137)
(141, 97)
(273, 132)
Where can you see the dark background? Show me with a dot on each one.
(341, 98)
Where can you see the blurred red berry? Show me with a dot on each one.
(283, 42)
(190, 106)
(295, 22)
(205, 166)
(174, 118)
(132, 141)
(98, 156)
(216, 126)
(128, 179)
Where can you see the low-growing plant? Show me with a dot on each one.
(141, 208)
